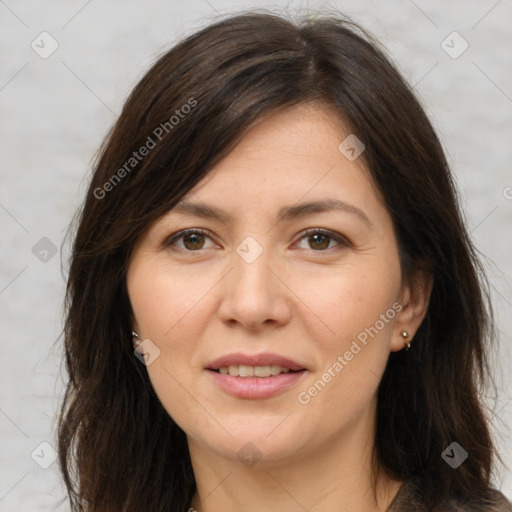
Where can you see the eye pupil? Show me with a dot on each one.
(322, 236)
(195, 237)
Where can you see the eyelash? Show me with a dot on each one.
(342, 241)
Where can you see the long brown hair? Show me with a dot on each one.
(118, 448)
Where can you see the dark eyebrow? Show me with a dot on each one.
(285, 213)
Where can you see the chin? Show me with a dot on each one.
(268, 440)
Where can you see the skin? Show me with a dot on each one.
(303, 298)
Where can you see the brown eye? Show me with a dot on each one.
(319, 240)
(192, 240)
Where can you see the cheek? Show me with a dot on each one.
(360, 308)
(166, 306)
(165, 300)
(171, 309)
(341, 303)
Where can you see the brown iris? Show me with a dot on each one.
(195, 241)
(325, 238)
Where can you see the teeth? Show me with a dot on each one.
(262, 371)
(244, 370)
(276, 370)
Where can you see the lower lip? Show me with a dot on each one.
(256, 387)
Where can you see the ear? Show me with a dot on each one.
(415, 299)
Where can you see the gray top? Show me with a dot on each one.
(410, 499)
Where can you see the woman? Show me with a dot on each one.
(273, 303)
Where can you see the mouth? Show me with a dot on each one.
(258, 376)
(258, 365)
(244, 370)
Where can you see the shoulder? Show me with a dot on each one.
(412, 497)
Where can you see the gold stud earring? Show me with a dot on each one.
(405, 335)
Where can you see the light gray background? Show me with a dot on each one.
(55, 112)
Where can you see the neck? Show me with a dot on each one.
(335, 475)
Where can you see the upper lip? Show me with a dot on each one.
(255, 360)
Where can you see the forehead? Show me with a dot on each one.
(287, 157)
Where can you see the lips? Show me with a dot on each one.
(255, 360)
(277, 374)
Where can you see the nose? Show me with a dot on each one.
(255, 293)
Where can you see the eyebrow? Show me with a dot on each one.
(285, 213)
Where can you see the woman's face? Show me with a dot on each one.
(307, 297)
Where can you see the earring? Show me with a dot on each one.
(136, 336)
(405, 335)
